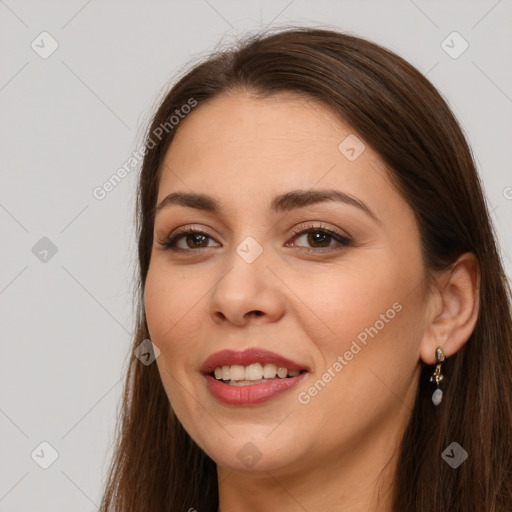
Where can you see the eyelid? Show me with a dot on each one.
(320, 226)
(189, 228)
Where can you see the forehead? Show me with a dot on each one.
(246, 147)
(241, 124)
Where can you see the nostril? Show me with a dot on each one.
(257, 313)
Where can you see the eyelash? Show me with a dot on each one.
(342, 240)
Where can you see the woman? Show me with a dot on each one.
(322, 289)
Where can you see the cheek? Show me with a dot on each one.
(347, 301)
(373, 321)
(168, 298)
(171, 307)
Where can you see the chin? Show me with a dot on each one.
(253, 452)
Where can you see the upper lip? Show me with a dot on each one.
(247, 357)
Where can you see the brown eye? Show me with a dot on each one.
(195, 240)
(316, 239)
(319, 239)
(188, 240)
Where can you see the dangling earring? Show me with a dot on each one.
(437, 396)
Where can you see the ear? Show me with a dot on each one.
(453, 308)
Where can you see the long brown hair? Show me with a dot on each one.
(156, 466)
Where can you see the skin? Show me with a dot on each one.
(337, 452)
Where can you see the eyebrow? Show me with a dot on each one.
(281, 203)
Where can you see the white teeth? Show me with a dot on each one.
(247, 382)
(282, 372)
(253, 372)
(226, 372)
(269, 371)
(237, 372)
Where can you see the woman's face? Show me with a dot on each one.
(310, 255)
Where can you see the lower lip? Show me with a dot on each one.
(252, 394)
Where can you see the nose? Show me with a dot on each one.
(247, 292)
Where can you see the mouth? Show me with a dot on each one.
(256, 373)
(250, 377)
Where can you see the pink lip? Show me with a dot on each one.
(252, 394)
(247, 357)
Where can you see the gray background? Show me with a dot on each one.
(69, 121)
